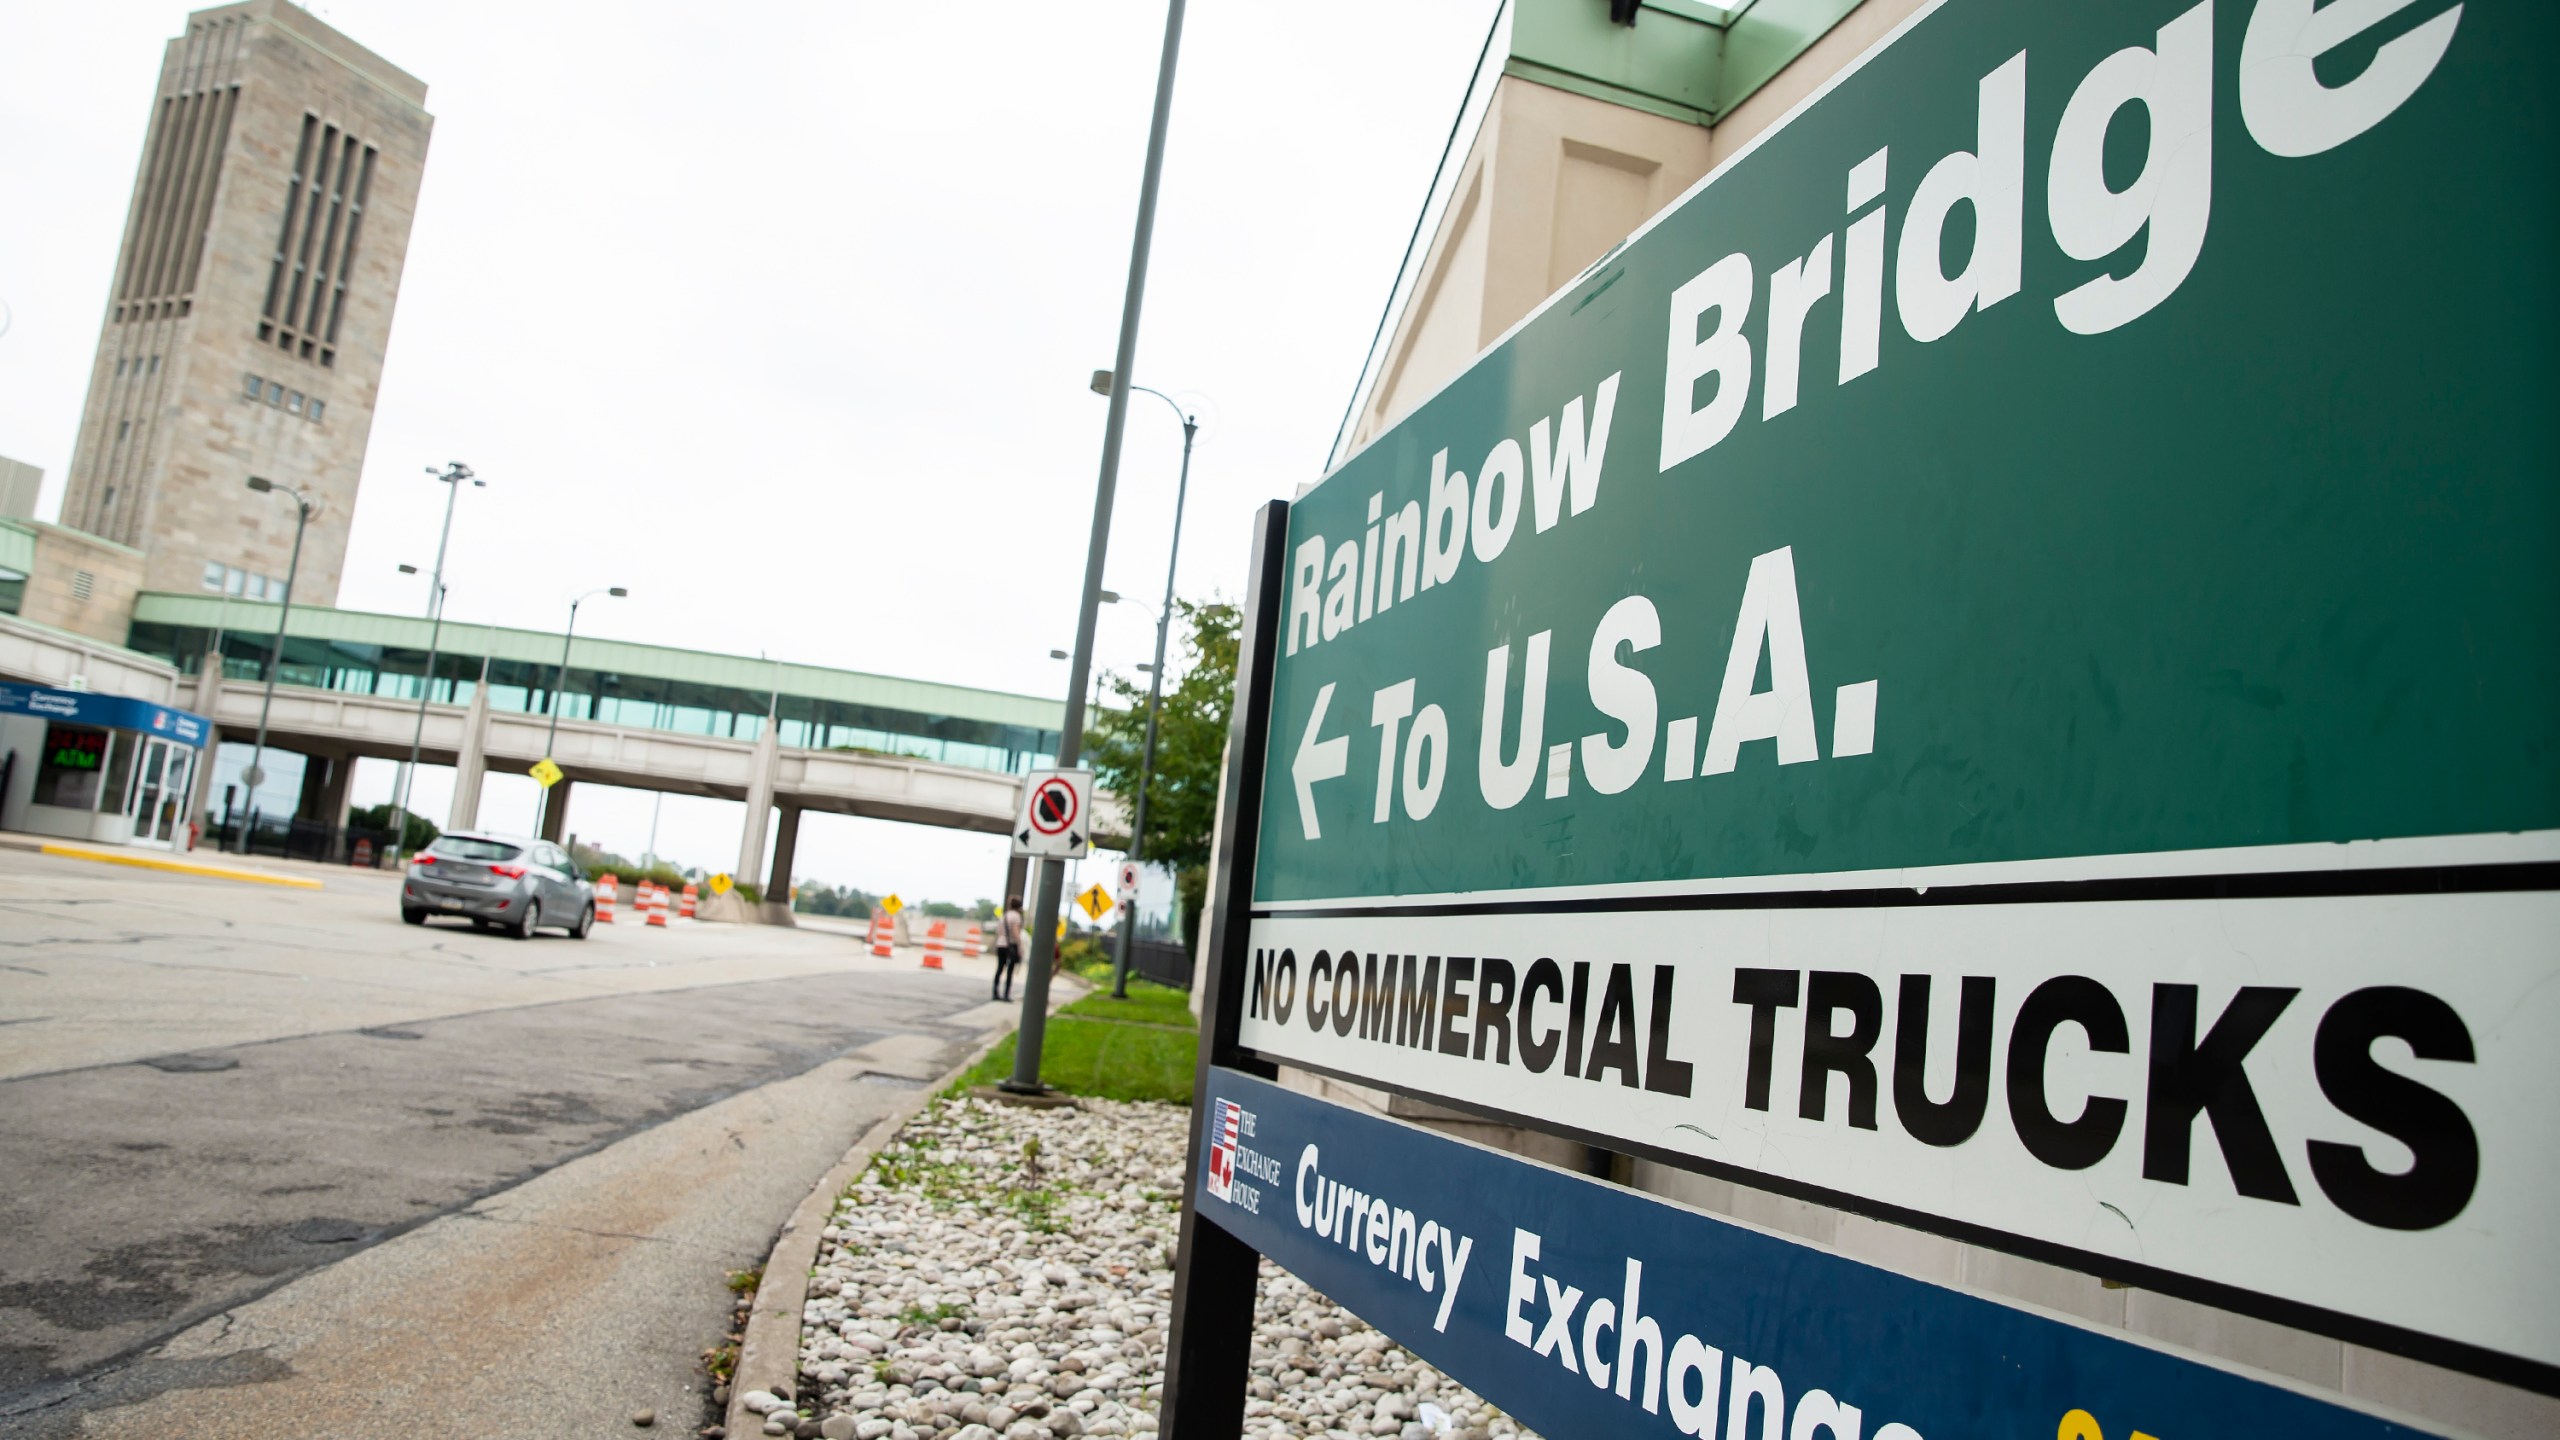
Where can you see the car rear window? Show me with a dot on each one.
(465, 847)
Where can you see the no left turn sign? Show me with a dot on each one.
(1054, 819)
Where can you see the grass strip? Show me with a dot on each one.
(1112, 1062)
(1148, 1004)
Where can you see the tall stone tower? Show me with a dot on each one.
(251, 306)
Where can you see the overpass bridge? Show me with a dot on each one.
(782, 738)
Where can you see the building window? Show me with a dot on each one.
(252, 386)
(324, 205)
(314, 413)
(119, 369)
(122, 426)
(275, 392)
(213, 574)
(155, 364)
(293, 402)
(232, 580)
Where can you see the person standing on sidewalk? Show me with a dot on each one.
(1008, 948)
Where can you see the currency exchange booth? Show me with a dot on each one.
(97, 767)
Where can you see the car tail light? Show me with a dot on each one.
(512, 872)
(422, 859)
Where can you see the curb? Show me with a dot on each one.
(140, 861)
(769, 1350)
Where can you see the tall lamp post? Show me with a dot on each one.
(558, 679)
(1155, 685)
(303, 506)
(452, 475)
(1044, 908)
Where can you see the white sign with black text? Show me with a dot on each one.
(2330, 1101)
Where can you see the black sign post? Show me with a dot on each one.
(1210, 1344)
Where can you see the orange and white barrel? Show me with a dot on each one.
(971, 943)
(604, 899)
(657, 905)
(692, 894)
(884, 934)
(933, 935)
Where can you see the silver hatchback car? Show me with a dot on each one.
(503, 882)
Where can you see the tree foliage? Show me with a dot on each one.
(1191, 739)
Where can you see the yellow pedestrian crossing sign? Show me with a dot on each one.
(1095, 903)
(892, 904)
(545, 773)
(720, 883)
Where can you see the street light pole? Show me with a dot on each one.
(452, 475)
(1155, 682)
(1044, 922)
(559, 678)
(302, 508)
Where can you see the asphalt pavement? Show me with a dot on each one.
(276, 1163)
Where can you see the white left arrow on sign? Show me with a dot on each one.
(1317, 760)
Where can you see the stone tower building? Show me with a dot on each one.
(251, 306)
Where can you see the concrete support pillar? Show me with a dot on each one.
(324, 794)
(1017, 879)
(777, 885)
(555, 811)
(471, 762)
(759, 802)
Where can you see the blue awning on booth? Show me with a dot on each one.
(78, 707)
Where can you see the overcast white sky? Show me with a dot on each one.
(782, 315)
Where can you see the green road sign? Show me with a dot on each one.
(2092, 430)
(1997, 661)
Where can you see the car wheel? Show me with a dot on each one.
(414, 917)
(586, 922)
(532, 917)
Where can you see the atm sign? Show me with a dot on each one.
(75, 749)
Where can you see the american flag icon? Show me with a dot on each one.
(1223, 1135)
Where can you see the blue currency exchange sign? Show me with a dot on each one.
(1586, 1309)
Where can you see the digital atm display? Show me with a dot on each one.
(73, 748)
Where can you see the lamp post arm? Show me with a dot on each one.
(560, 677)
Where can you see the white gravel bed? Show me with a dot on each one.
(1002, 1273)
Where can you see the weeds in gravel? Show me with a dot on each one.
(721, 1362)
(929, 1317)
(744, 1282)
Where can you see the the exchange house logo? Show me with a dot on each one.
(1229, 1127)
(1222, 1150)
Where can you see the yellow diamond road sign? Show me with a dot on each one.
(1095, 902)
(720, 883)
(545, 772)
(892, 904)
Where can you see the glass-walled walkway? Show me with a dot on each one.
(645, 687)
